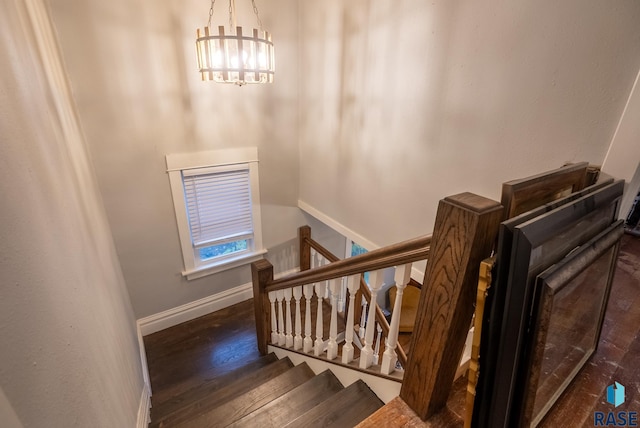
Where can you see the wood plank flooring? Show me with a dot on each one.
(181, 357)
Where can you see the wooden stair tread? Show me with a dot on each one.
(251, 400)
(295, 402)
(252, 370)
(347, 408)
(205, 403)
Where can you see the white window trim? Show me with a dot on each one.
(176, 163)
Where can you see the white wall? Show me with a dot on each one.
(379, 109)
(69, 354)
(133, 71)
(405, 102)
(623, 157)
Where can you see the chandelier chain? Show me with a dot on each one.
(231, 16)
(210, 13)
(255, 10)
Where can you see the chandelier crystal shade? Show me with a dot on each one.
(236, 56)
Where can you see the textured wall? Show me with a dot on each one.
(132, 67)
(406, 102)
(69, 354)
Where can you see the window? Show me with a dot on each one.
(355, 249)
(217, 202)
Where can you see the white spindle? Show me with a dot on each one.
(376, 351)
(281, 333)
(332, 347)
(324, 262)
(307, 342)
(315, 259)
(297, 340)
(402, 277)
(363, 319)
(288, 292)
(347, 350)
(366, 354)
(342, 298)
(319, 343)
(274, 322)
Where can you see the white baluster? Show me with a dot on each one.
(363, 319)
(297, 340)
(274, 322)
(366, 354)
(389, 358)
(342, 298)
(315, 259)
(289, 336)
(376, 351)
(307, 342)
(324, 262)
(319, 343)
(332, 347)
(280, 301)
(347, 350)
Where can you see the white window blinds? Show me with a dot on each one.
(218, 204)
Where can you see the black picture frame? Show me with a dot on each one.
(528, 244)
(570, 301)
(494, 304)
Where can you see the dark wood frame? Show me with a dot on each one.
(553, 235)
(549, 284)
(495, 298)
(519, 196)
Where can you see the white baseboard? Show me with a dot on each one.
(337, 226)
(416, 274)
(144, 410)
(192, 310)
(143, 359)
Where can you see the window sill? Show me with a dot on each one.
(220, 266)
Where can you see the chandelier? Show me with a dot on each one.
(236, 56)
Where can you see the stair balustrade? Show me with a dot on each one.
(334, 287)
(465, 229)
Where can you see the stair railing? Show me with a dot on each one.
(463, 235)
(272, 299)
(320, 256)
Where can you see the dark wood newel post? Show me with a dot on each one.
(304, 234)
(262, 275)
(463, 235)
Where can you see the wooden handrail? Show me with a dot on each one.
(322, 251)
(377, 259)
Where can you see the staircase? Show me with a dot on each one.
(274, 392)
(268, 392)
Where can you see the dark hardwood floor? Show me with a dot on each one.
(618, 355)
(181, 357)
